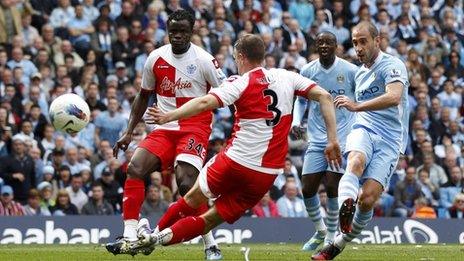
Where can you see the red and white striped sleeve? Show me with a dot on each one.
(301, 84)
(230, 90)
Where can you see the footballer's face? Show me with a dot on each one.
(326, 45)
(365, 45)
(179, 33)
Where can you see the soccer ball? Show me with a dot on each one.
(69, 113)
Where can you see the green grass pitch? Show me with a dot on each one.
(232, 252)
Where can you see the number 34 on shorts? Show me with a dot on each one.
(196, 148)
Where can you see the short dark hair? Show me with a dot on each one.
(182, 14)
(370, 27)
(252, 46)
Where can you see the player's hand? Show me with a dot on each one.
(122, 143)
(156, 116)
(298, 132)
(19, 176)
(343, 101)
(333, 154)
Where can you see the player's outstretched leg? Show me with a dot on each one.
(370, 194)
(142, 163)
(186, 175)
(311, 199)
(183, 230)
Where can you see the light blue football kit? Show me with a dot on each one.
(381, 134)
(337, 80)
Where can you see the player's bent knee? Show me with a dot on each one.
(134, 171)
(367, 201)
(356, 162)
(309, 191)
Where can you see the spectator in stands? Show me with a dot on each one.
(303, 12)
(33, 207)
(63, 206)
(457, 209)
(18, 60)
(430, 192)
(11, 21)
(266, 207)
(450, 189)
(165, 192)
(97, 157)
(450, 99)
(66, 48)
(153, 207)
(109, 124)
(34, 152)
(76, 193)
(124, 49)
(8, 207)
(80, 28)
(61, 16)
(97, 205)
(111, 188)
(87, 179)
(18, 170)
(90, 11)
(423, 210)
(290, 205)
(108, 157)
(289, 172)
(437, 173)
(406, 192)
(72, 160)
(64, 177)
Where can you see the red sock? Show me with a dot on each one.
(202, 209)
(134, 194)
(186, 229)
(176, 211)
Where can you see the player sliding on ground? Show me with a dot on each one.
(337, 77)
(176, 73)
(378, 136)
(243, 172)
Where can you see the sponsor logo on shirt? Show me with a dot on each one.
(169, 86)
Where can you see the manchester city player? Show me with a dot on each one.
(378, 136)
(337, 77)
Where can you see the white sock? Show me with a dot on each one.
(340, 242)
(163, 237)
(348, 187)
(156, 230)
(209, 240)
(130, 229)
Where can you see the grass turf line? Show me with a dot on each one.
(232, 252)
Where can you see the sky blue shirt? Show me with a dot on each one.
(80, 23)
(390, 123)
(110, 127)
(337, 80)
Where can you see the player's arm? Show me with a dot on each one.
(191, 108)
(391, 97)
(139, 106)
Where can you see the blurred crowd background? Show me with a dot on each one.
(97, 49)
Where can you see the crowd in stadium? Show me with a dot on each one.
(97, 49)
